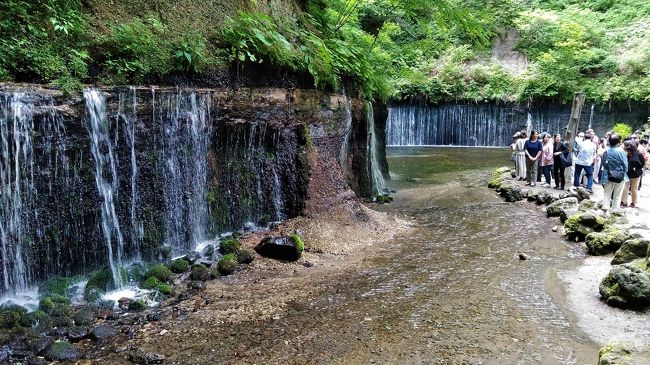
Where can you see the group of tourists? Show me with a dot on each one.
(617, 165)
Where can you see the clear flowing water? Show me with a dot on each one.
(372, 160)
(106, 178)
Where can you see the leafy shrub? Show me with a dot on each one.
(160, 272)
(623, 130)
(229, 245)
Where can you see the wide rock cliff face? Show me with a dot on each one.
(127, 173)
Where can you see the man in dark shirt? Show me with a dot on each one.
(533, 148)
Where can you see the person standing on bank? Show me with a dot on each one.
(585, 162)
(547, 159)
(533, 149)
(561, 157)
(520, 156)
(635, 164)
(614, 173)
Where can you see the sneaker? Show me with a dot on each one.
(546, 185)
(556, 187)
(623, 205)
(533, 184)
(632, 205)
(590, 191)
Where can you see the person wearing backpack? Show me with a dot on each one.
(614, 173)
(635, 163)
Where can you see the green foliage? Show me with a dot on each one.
(165, 289)
(623, 130)
(58, 285)
(99, 282)
(137, 305)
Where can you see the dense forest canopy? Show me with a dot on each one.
(434, 50)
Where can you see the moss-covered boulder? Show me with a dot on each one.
(58, 285)
(151, 283)
(160, 272)
(616, 354)
(100, 281)
(587, 204)
(137, 305)
(244, 256)
(630, 250)
(496, 180)
(14, 316)
(199, 272)
(607, 241)
(555, 209)
(178, 266)
(55, 304)
(627, 285)
(165, 289)
(503, 170)
(229, 245)
(62, 351)
(227, 264)
(579, 225)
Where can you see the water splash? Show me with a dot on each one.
(106, 178)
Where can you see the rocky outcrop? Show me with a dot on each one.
(627, 285)
(285, 248)
(568, 205)
(607, 241)
(616, 354)
(630, 250)
(582, 223)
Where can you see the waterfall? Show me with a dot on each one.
(16, 188)
(343, 158)
(186, 123)
(450, 125)
(137, 230)
(591, 116)
(105, 177)
(529, 123)
(372, 161)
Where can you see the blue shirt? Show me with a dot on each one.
(533, 148)
(616, 161)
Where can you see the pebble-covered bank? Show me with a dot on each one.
(622, 232)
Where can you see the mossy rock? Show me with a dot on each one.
(627, 285)
(62, 351)
(579, 225)
(84, 317)
(245, 256)
(630, 250)
(137, 305)
(502, 170)
(160, 272)
(58, 285)
(228, 264)
(496, 181)
(616, 354)
(151, 283)
(297, 240)
(208, 252)
(14, 316)
(100, 281)
(587, 204)
(199, 272)
(228, 246)
(54, 304)
(555, 209)
(37, 316)
(607, 241)
(215, 273)
(165, 289)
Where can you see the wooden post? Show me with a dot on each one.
(572, 126)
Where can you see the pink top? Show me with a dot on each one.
(547, 154)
